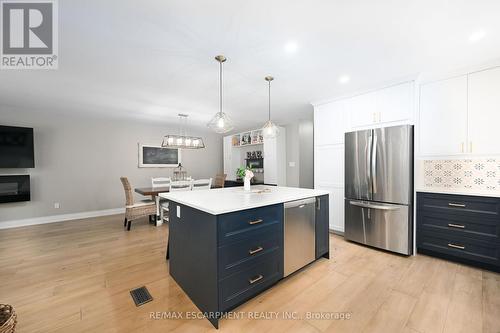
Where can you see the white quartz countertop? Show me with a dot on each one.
(231, 199)
(495, 194)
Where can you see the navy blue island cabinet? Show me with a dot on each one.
(221, 261)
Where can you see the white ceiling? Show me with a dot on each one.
(154, 59)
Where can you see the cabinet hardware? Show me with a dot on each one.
(470, 147)
(318, 204)
(257, 250)
(256, 222)
(463, 147)
(451, 204)
(460, 247)
(374, 117)
(459, 226)
(255, 279)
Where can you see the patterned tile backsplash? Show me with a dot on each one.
(470, 174)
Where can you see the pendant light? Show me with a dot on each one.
(221, 123)
(182, 140)
(270, 130)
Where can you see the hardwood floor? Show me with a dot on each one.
(76, 276)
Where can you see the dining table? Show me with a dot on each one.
(153, 192)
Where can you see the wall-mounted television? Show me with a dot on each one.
(16, 147)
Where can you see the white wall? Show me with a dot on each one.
(79, 160)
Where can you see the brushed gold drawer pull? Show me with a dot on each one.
(451, 204)
(257, 250)
(255, 279)
(456, 226)
(456, 246)
(256, 222)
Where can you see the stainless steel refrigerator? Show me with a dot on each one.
(379, 188)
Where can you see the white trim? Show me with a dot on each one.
(59, 218)
(388, 84)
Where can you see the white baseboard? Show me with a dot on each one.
(59, 218)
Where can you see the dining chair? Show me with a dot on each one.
(160, 182)
(181, 185)
(135, 210)
(175, 186)
(202, 184)
(220, 180)
(163, 203)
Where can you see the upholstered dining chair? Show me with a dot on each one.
(202, 184)
(135, 210)
(219, 180)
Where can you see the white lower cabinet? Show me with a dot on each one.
(336, 207)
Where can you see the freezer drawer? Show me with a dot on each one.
(381, 225)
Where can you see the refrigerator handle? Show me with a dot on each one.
(368, 162)
(374, 164)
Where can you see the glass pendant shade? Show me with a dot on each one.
(270, 129)
(220, 123)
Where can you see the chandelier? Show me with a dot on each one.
(182, 140)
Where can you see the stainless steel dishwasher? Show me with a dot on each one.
(300, 234)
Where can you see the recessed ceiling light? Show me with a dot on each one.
(477, 36)
(344, 79)
(291, 47)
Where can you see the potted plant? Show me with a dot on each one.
(246, 174)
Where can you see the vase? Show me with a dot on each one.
(246, 184)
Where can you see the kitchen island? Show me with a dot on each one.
(228, 245)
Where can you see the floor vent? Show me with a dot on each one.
(141, 296)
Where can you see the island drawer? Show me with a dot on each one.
(234, 257)
(239, 225)
(460, 248)
(241, 286)
(458, 204)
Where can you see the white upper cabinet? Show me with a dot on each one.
(330, 123)
(362, 109)
(484, 112)
(443, 117)
(388, 105)
(395, 103)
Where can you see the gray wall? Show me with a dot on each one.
(306, 158)
(78, 161)
(300, 150)
(292, 155)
